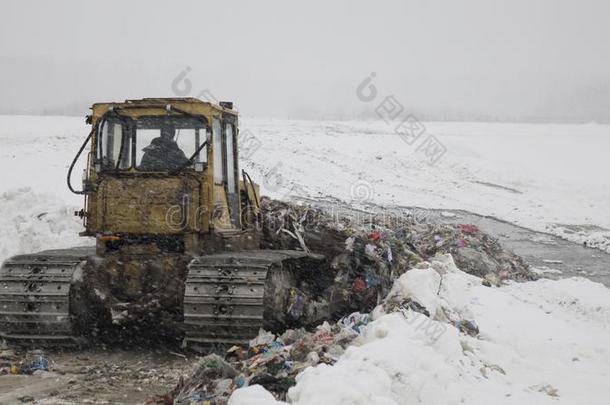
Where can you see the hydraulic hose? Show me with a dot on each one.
(80, 151)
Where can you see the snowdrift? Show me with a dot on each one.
(31, 222)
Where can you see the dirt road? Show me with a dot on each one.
(98, 376)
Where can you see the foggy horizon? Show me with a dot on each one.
(546, 61)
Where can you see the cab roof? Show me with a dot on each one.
(163, 106)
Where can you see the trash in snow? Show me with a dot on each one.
(31, 363)
(269, 360)
(468, 327)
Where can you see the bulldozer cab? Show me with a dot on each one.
(165, 172)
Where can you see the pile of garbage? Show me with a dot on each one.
(381, 245)
(272, 361)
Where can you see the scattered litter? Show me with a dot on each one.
(547, 389)
(468, 327)
(469, 229)
(263, 338)
(32, 362)
(269, 360)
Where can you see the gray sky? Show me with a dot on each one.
(512, 59)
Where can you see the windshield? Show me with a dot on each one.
(156, 144)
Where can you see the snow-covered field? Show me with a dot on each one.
(551, 178)
(540, 342)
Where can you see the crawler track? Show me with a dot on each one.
(35, 297)
(227, 294)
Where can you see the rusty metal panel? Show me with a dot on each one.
(153, 205)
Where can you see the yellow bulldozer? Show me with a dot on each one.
(177, 231)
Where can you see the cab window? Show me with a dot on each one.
(114, 148)
(156, 143)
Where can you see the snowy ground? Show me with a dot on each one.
(541, 342)
(550, 178)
